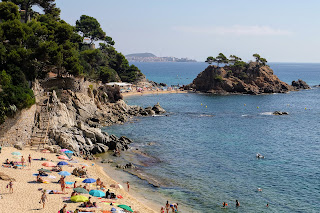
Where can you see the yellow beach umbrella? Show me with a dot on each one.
(79, 198)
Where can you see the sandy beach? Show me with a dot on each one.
(26, 191)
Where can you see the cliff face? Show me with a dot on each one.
(77, 110)
(252, 79)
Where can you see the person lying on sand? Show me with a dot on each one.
(56, 192)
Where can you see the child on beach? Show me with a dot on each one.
(43, 198)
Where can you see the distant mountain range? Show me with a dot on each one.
(149, 57)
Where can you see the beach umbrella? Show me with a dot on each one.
(44, 170)
(63, 150)
(97, 193)
(69, 183)
(62, 163)
(89, 180)
(16, 153)
(79, 198)
(48, 164)
(62, 157)
(68, 153)
(125, 207)
(81, 190)
(64, 173)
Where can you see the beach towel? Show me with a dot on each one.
(65, 198)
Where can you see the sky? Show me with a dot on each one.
(278, 30)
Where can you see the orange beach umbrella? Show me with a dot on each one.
(62, 157)
(49, 164)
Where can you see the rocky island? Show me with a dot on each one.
(238, 77)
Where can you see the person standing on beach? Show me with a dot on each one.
(128, 185)
(29, 160)
(10, 186)
(63, 184)
(75, 184)
(167, 207)
(22, 161)
(43, 198)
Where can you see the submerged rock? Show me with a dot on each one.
(280, 113)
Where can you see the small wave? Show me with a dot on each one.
(159, 115)
(244, 115)
(206, 115)
(266, 113)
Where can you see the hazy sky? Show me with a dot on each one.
(279, 30)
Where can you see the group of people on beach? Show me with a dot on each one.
(173, 207)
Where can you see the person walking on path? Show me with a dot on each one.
(44, 198)
(29, 160)
(10, 186)
(128, 185)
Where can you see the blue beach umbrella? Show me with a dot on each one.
(62, 163)
(69, 183)
(89, 180)
(16, 153)
(64, 173)
(97, 193)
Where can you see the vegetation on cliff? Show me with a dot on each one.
(34, 44)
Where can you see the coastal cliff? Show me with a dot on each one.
(77, 109)
(250, 79)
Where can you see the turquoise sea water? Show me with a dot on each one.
(207, 152)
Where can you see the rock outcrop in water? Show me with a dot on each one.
(79, 108)
(250, 79)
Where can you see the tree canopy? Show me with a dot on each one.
(32, 48)
(90, 28)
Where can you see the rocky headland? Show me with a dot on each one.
(70, 112)
(253, 78)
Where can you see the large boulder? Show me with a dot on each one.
(300, 84)
(158, 109)
(19, 146)
(99, 148)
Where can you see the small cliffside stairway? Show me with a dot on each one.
(42, 123)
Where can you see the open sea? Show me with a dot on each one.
(204, 152)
